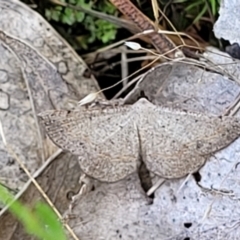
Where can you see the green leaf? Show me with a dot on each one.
(101, 30)
(107, 7)
(68, 17)
(214, 6)
(56, 15)
(105, 31)
(204, 9)
(53, 13)
(79, 16)
(108, 36)
(48, 14)
(84, 4)
(50, 221)
(34, 222)
(193, 5)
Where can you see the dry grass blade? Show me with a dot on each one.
(155, 8)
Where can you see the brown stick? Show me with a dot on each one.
(162, 43)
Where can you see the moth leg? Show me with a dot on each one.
(86, 186)
(155, 186)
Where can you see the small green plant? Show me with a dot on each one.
(89, 29)
(199, 8)
(39, 220)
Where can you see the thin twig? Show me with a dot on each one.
(20, 162)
